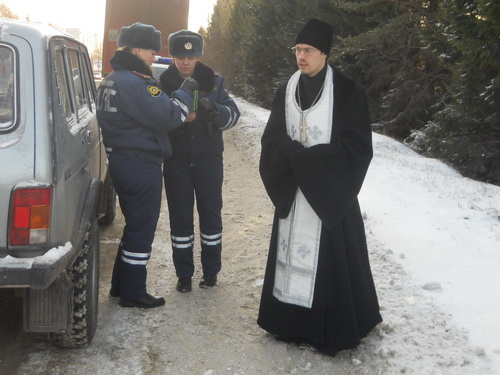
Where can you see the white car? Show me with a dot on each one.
(54, 183)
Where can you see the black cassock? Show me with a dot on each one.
(345, 306)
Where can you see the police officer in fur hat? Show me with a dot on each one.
(135, 116)
(195, 168)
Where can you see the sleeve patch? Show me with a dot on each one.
(154, 91)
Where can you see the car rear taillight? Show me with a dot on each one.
(30, 216)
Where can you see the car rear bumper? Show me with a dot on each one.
(38, 272)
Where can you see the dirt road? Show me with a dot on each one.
(209, 331)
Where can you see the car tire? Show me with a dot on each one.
(85, 277)
(108, 203)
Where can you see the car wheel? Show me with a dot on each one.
(85, 277)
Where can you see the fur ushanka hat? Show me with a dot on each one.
(316, 33)
(140, 35)
(185, 43)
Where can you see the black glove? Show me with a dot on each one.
(206, 105)
(189, 85)
(210, 112)
(209, 108)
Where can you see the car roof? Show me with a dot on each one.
(35, 33)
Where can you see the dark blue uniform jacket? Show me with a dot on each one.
(135, 115)
(193, 141)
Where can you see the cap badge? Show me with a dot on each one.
(188, 46)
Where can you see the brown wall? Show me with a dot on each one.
(168, 16)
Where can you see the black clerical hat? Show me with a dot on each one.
(316, 33)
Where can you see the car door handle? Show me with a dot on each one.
(87, 137)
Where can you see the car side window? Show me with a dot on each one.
(62, 84)
(8, 94)
(76, 75)
(88, 80)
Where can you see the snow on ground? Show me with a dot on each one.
(434, 243)
(443, 231)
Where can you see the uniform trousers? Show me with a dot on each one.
(186, 183)
(138, 184)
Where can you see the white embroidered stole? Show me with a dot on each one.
(300, 233)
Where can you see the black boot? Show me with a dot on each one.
(208, 281)
(184, 284)
(146, 301)
(114, 291)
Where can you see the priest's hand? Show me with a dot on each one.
(287, 147)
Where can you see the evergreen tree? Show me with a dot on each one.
(466, 132)
(404, 78)
(431, 67)
(269, 59)
(219, 44)
(241, 29)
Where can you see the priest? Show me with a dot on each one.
(316, 148)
